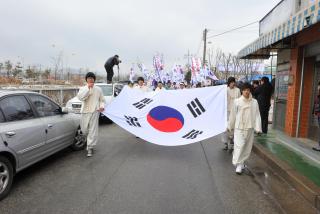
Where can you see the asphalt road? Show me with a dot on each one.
(128, 175)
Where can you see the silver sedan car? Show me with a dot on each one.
(32, 127)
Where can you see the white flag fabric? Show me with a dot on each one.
(131, 74)
(171, 117)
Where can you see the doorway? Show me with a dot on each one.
(313, 132)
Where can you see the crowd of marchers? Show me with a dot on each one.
(248, 108)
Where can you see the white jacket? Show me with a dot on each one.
(232, 94)
(92, 99)
(245, 115)
(159, 89)
(142, 88)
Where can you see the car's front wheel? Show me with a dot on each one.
(6, 176)
(80, 141)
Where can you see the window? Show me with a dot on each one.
(16, 108)
(44, 106)
(106, 89)
(117, 89)
(1, 117)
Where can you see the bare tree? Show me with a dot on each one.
(57, 64)
(254, 66)
(1, 67)
(251, 67)
(242, 67)
(211, 59)
(31, 72)
(8, 66)
(46, 74)
(17, 69)
(235, 65)
(239, 66)
(226, 62)
(217, 59)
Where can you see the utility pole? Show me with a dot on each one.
(118, 74)
(204, 46)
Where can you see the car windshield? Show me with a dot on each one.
(106, 90)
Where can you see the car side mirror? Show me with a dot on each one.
(64, 110)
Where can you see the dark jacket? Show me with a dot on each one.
(263, 94)
(112, 61)
(254, 93)
(316, 106)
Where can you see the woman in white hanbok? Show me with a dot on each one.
(244, 119)
(232, 93)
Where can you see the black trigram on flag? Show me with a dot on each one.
(132, 121)
(193, 134)
(142, 103)
(196, 108)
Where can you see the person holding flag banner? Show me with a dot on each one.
(144, 71)
(93, 102)
(141, 85)
(232, 93)
(198, 64)
(194, 65)
(131, 75)
(195, 69)
(158, 66)
(158, 118)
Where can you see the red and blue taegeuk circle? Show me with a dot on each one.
(165, 119)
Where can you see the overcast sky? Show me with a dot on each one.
(88, 32)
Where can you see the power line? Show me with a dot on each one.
(199, 46)
(228, 31)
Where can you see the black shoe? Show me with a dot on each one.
(226, 147)
(316, 148)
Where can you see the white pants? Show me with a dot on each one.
(90, 127)
(227, 136)
(243, 141)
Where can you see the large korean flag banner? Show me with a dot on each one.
(171, 117)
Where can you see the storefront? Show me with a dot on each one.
(313, 51)
(296, 41)
(281, 89)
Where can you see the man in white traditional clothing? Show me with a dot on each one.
(182, 85)
(93, 103)
(160, 87)
(244, 119)
(141, 86)
(232, 93)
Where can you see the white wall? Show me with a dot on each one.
(277, 16)
(303, 4)
(282, 13)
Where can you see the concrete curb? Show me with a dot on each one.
(309, 190)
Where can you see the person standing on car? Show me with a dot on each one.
(112, 61)
(93, 103)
